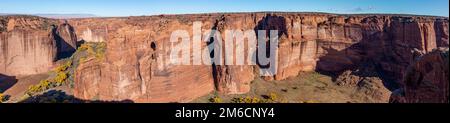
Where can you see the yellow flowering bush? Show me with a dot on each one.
(64, 66)
(62, 74)
(215, 100)
(273, 97)
(61, 77)
(93, 49)
(3, 98)
(85, 47)
(248, 100)
(58, 80)
(42, 86)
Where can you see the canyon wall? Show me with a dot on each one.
(426, 79)
(30, 45)
(134, 66)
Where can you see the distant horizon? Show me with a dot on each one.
(96, 16)
(118, 8)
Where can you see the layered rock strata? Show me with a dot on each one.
(134, 67)
(30, 45)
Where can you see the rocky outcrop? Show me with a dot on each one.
(441, 33)
(30, 45)
(366, 80)
(66, 40)
(96, 29)
(134, 66)
(426, 79)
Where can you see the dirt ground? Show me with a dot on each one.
(17, 91)
(305, 88)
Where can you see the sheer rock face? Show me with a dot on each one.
(28, 44)
(137, 47)
(135, 68)
(426, 79)
(66, 40)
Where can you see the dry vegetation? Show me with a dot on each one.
(64, 74)
(3, 98)
(309, 87)
(58, 78)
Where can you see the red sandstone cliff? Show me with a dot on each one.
(426, 79)
(137, 46)
(29, 45)
(322, 42)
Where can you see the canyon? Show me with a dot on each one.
(30, 45)
(372, 52)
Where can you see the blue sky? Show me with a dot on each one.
(154, 7)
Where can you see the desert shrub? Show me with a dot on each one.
(101, 45)
(100, 54)
(68, 64)
(93, 49)
(90, 51)
(256, 100)
(60, 78)
(3, 98)
(100, 50)
(61, 68)
(63, 75)
(215, 100)
(247, 100)
(84, 47)
(273, 97)
(47, 84)
(236, 100)
(42, 86)
(88, 48)
(64, 66)
(82, 60)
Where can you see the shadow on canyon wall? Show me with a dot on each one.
(211, 40)
(335, 62)
(272, 22)
(267, 23)
(80, 42)
(64, 49)
(6, 82)
(58, 96)
(365, 58)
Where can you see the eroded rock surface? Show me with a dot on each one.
(367, 80)
(135, 64)
(30, 45)
(308, 42)
(426, 80)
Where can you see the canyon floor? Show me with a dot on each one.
(17, 92)
(311, 87)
